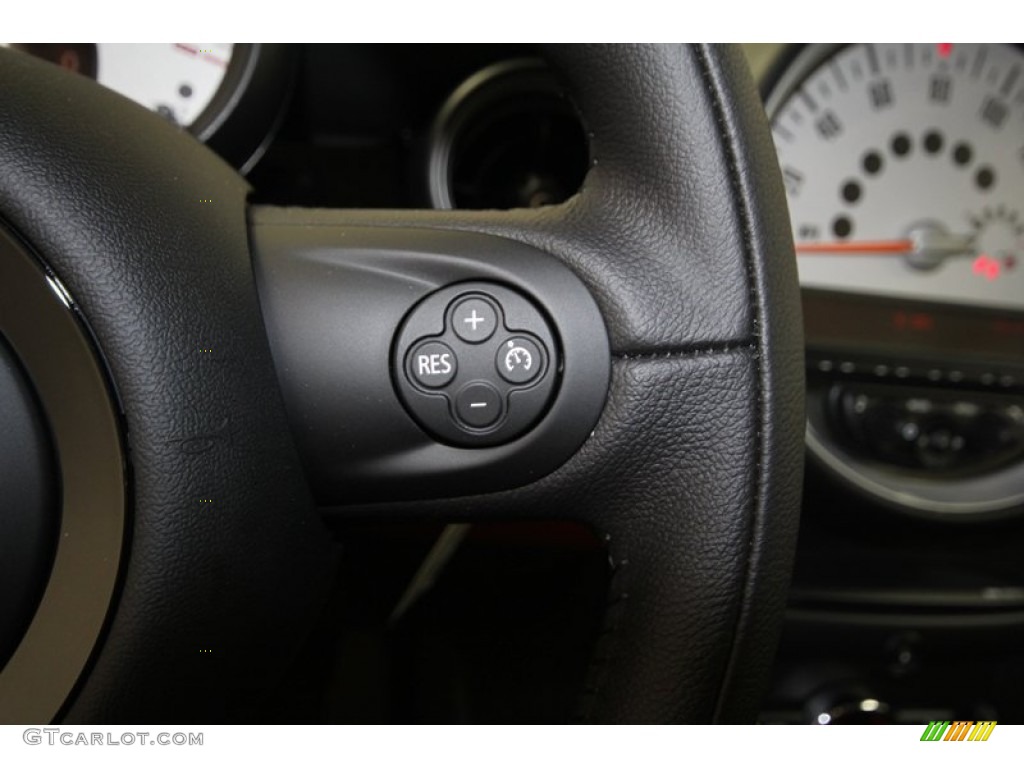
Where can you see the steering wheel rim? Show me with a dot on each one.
(692, 475)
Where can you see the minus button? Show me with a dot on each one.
(478, 405)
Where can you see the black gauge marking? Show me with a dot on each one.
(891, 59)
(872, 58)
(167, 113)
(808, 100)
(932, 142)
(823, 90)
(856, 71)
(828, 125)
(985, 178)
(901, 145)
(939, 88)
(793, 180)
(782, 132)
(880, 94)
(795, 116)
(837, 73)
(185, 90)
(1008, 83)
(842, 227)
(908, 55)
(961, 63)
(851, 192)
(808, 232)
(962, 153)
(926, 57)
(872, 163)
(994, 111)
(979, 62)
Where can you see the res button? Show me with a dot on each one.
(433, 364)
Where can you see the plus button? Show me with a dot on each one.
(474, 319)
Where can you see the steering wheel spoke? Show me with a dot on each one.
(630, 359)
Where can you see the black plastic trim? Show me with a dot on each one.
(246, 111)
(333, 300)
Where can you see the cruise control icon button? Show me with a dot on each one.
(519, 360)
(478, 405)
(474, 320)
(433, 364)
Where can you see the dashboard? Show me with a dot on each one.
(904, 171)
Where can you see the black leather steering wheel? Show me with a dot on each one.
(691, 474)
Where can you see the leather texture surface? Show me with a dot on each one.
(693, 475)
(214, 593)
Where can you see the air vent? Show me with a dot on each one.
(508, 137)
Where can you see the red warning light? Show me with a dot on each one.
(986, 267)
(944, 49)
(920, 321)
(913, 321)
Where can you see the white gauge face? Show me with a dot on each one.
(904, 170)
(176, 80)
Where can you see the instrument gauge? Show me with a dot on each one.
(904, 172)
(904, 169)
(228, 95)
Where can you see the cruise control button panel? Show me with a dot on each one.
(476, 364)
(391, 346)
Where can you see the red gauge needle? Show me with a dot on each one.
(859, 246)
(926, 247)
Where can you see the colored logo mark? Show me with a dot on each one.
(959, 730)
